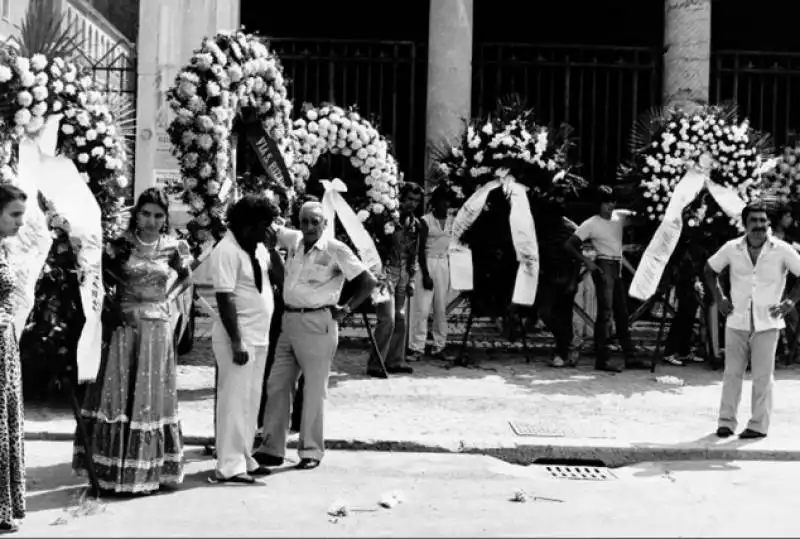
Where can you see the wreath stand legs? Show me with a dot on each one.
(463, 361)
(374, 344)
(664, 297)
(84, 437)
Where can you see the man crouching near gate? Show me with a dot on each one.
(316, 269)
(754, 315)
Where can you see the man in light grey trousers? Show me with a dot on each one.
(758, 264)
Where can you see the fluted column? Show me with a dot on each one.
(169, 31)
(687, 51)
(449, 70)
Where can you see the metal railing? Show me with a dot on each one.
(384, 79)
(599, 91)
(765, 85)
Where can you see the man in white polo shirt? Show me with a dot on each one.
(316, 269)
(758, 264)
(240, 264)
(605, 232)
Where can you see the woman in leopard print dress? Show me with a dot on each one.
(12, 465)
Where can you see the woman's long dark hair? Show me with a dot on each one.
(9, 193)
(151, 195)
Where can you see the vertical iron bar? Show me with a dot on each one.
(412, 102)
(395, 140)
(567, 88)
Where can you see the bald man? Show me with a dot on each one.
(316, 270)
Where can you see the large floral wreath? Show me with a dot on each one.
(667, 144)
(783, 181)
(330, 129)
(32, 90)
(510, 144)
(508, 147)
(231, 75)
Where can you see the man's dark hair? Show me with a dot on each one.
(410, 188)
(756, 206)
(251, 209)
(605, 194)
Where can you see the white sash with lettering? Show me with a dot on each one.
(334, 205)
(60, 181)
(659, 250)
(28, 250)
(523, 234)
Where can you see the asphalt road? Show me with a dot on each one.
(440, 495)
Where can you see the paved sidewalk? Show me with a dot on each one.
(576, 413)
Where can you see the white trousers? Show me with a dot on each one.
(759, 349)
(238, 402)
(425, 300)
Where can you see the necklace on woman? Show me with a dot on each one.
(146, 243)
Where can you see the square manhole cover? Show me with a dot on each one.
(554, 427)
(580, 473)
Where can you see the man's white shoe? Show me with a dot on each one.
(673, 359)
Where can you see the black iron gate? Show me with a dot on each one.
(765, 85)
(384, 79)
(599, 91)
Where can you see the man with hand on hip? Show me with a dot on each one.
(316, 269)
(754, 314)
(240, 339)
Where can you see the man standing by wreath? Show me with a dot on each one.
(400, 264)
(316, 269)
(758, 265)
(605, 231)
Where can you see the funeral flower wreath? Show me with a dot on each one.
(332, 129)
(232, 71)
(667, 144)
(36, 88)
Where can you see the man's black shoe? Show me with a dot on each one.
(724, 432)
(376, 373)
(606, 367)
(267, 460)
(400, 369)
(750, 434)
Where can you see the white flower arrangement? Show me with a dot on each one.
(674, 144)
(40, 87)
(231, 71)
(509, 145)
(332, 129)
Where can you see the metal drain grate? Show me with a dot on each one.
(580, 473)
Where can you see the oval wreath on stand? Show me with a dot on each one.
(508, 147)
(90, 134)
(234, 84)
(372, 177)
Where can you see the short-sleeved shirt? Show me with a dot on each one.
(232, 272)
(605, 234)
(754, 289)
(315, 279)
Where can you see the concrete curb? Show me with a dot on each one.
(611, 453)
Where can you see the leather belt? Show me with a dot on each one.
(306, 309)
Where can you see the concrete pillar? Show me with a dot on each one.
(169, 31)
(687, 51)
(449, 71)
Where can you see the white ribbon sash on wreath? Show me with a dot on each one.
(334, 205)
(523, 235)
(662, 245)
(59, 180)
(28, 250)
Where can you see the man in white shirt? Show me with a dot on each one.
(240, 338)
(316, 269)
(754, 314)
(605, 232)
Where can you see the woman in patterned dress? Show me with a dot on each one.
(131, 411)
(12, 455)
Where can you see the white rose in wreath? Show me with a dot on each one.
(83, 158)
(205, 171)
(40, 93)
(363, 215)
(22, 117)
(5, 74)
(36, 123)
(67, 129)
(189, 183)
(24, 99)
(213, 188)
(122, 182)
(39, 109)
(27, 79)
(377, 208)
(91, 134)
(388, 228)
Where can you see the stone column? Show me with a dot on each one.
(169, 31)
(687, 51)
(449, 71)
